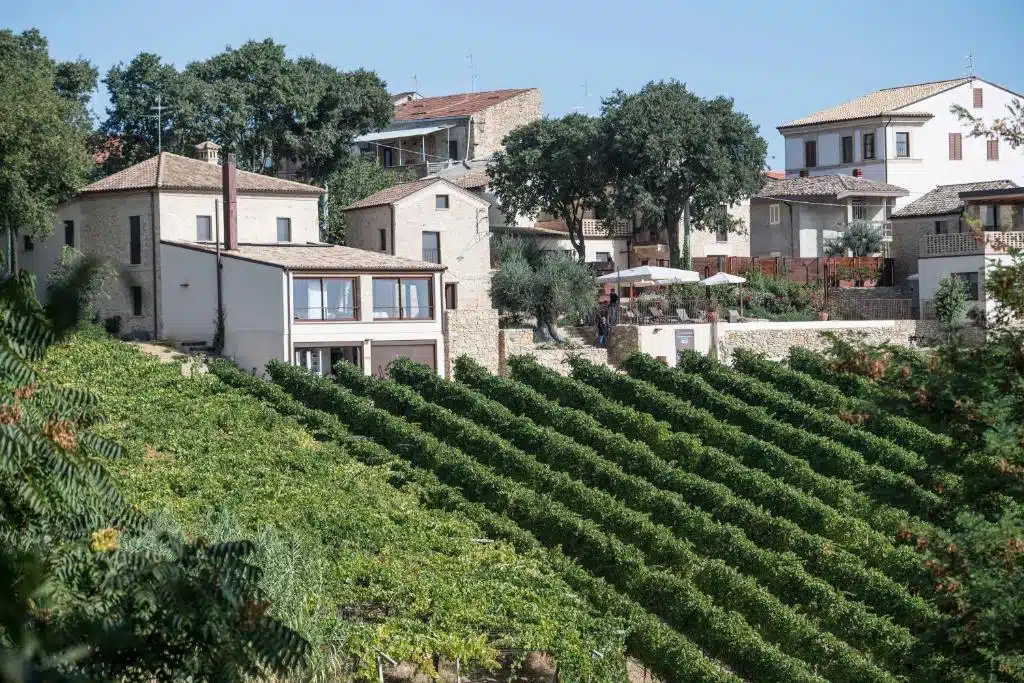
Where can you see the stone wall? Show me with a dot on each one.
(473, 333)
(861, 293)
(519, 342)
(491, 125)
(623, 340)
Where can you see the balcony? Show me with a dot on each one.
(599, 268)
(969, 244)
(595, 227)
(432, 255)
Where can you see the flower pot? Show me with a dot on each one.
(870, 283)
(822, 315)
(712, 316)
(846, 284)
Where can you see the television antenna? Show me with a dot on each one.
(969, 59)
(159, 108)
(472, 74)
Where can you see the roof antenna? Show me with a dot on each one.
(472, 74)
(970, 64)
(159, 109)
(415, 84)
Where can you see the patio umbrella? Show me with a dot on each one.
(659, 275)
(726, 279)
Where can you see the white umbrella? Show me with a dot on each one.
(659, 275)
(723, 279)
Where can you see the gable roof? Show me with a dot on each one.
(880, 103)
(838, 186)
(315, 256)
(168, 171)
(462, 104)
(395, 193)
(945, 199)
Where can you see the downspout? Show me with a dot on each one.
(885, 142)
(793, 233)
(391, 230)
(219, 266)
(156, 294)
(290, 352)
(469, 137)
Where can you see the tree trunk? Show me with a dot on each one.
(687, 260)
(575, 226)
(671, 226)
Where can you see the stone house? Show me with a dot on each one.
(795, 217)
(428, 134)
(190, 238)
(933, 238)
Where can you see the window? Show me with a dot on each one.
(956, 147)
(29, 244)
(847, 149)
(810, 153)
(979, 98)
(722, 235)
(868, 144)
(451, 296)
(453, 149)
(325, 298)
(383, 239)
(308, 359)
(403, 298)
(603, 256)
(284, 229)
(989, 214)
(136, 300)
(432, 247)
(903, 144)
(440, 201)
(971, 280)
(389, 160)
(860, 210)
(135, 240)
(942, 227)
(69, 233)
(992, 148)
(204, 229)
(774, 214)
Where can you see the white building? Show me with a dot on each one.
(906, 136)
(933, 237)
(284, 294)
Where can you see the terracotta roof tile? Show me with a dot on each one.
(473, 180)
(828, 186)
(462, 104)
(316, 257)
(879, 103)
(392, 194)
(945, 199)
(168, 171)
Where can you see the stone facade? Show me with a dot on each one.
(623, 340)
(490, 126)
(473, 333)
(519, 342)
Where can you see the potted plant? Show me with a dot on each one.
(847, 277)
(822, 315)
(867, 276)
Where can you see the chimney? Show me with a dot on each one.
(230, 189)
(857, 173)
(208, 151)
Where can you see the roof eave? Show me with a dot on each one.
(871, 193)
(884, 115)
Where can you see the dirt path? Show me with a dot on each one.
(163, 352)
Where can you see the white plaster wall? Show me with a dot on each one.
(257, 216)
(188, 294)
(254, 313)
(660, 340)
(46, 250)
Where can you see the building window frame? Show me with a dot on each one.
(846, 149)
(431, 254)
(858, 210)
(978, 98)
(29, 244)
(383, 236)
(810, 153)
(304, 356)
(136, 297)
(324, 311)
(453, 150)
(867, 144)
(956, 147)
(379, 312)
(286, 223)
(992, 149)
(451, 296)
(774, 214)
(442, 202)
(204, 227)
(135, 240)
(721, 235)
(69, 234)
(973, 282)
(388, 157)
(903, 146)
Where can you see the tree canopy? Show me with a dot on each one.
(252, 100)
(859, 238)
(676, 156)
(552, 166)
(1009, 127)
(44, 128)
(357, 179)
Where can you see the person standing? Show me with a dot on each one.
(613, 307)
(602, 330)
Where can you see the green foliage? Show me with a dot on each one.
(1009, 128)
(676, 156)
(252, 100)
(43, 131)
(951, 302)
(81, 601)
(858, 238)
(357, 179)
(552, 166)
(545, 285)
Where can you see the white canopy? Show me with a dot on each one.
(723, 279)
(399, 133)
(659, 275)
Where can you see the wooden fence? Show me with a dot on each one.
(844, 271)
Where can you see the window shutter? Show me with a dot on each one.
(979, 98)
(956, 152)
(993, 149)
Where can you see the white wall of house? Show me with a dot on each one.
(596, 248)
(188, 294)
(932, 270)
(255, 313)
(257, 216)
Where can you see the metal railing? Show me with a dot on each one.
(432, 255)
(968, 244)
(872, 309)
(326, 313)
(595, 227)
(403, 312)
(653, 312)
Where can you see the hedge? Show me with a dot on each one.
(669, 655)
(934, 447)
(824, 455)
(721, 633)
(824, 559)
(802, 504)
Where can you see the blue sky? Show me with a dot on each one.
(778, 60)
